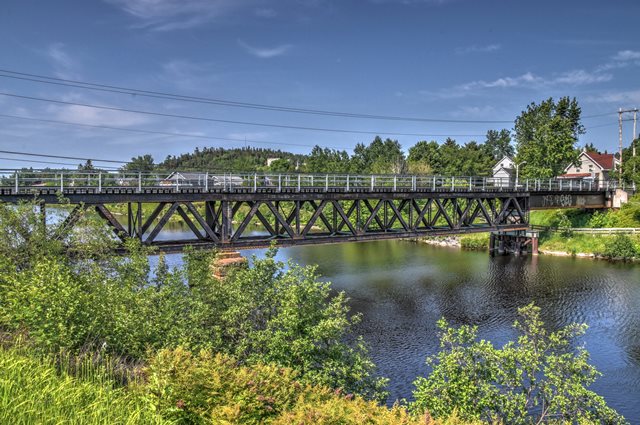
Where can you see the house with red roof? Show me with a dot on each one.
(592, 165)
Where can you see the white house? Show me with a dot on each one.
(504, 171)
(592, 165)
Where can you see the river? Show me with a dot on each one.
(402, 288)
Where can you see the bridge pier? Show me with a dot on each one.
(519, 242)
(225, 261)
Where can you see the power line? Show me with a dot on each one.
(190, 117)
(222, 102)
(47, 162)
(161, 133)
(63, 157)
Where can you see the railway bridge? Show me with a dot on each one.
(221, 209)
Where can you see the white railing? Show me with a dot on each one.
(21, 181)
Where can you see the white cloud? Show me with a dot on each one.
(478, 49)
(94, 116)
(626, 55)
(580, 77)
(265, 53)
(264, 12)
(63, 64)
(166, 15)
(630, 97)
(527, 80)
(188, 75)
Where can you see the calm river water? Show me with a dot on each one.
(402, 288)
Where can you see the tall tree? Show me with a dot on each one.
(380, 157)
(498, 144)
(450, 157)
(589, 147)
(546, 136)
(325, 160)
(424, 158)
(142, 163)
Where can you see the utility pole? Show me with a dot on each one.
(620, 146)
(633, 139)
(633, 145)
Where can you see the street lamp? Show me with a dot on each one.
(518, 168)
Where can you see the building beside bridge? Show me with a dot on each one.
(504, 172)
(593, 166)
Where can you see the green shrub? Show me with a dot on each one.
(510, 384)
(206, 388)
(620, 247)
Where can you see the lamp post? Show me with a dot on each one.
(517, 169)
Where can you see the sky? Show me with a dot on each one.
(455, 67)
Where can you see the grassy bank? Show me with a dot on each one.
(178, 386)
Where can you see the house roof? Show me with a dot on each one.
(604, 160)
(499, 163)
(574, 176)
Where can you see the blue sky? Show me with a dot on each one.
(447, 59)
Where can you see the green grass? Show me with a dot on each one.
(578, 243)
(34, 391)
(475, 242)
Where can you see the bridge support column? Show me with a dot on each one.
(225, 262)
(519, 242)
(227, 218)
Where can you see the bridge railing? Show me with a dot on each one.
(28, 181)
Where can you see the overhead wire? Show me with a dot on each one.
(163, 133)
(208, 119)
(25, 76)
(222, 102)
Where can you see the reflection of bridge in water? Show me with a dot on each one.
(296, 209)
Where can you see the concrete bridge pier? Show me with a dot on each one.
(225, 261)
(519, 242)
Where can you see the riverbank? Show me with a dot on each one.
(557, 243)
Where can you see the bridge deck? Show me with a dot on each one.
(294, 209)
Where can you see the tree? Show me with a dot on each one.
(589, 147)
(546, 135)
(475, 160)
(380, 157)
(424, 158)
(450, 158)
(142, 163)
(325, 160)
(631, 164)
(541, 378)
(498, 144)
(281, 165)
(87, 166)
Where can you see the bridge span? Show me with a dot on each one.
(222, 209)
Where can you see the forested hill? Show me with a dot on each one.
(238, 159)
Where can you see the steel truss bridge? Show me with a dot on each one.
(221, 209)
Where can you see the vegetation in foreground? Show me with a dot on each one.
(270, 344)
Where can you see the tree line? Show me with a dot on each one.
(544, 140)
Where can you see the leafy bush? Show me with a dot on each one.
(207, 388)
(267, 313)
(621, 247)
(541, 378)
(599, 219)
(272, 314)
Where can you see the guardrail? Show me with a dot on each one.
(589, 230)
(19, 181)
